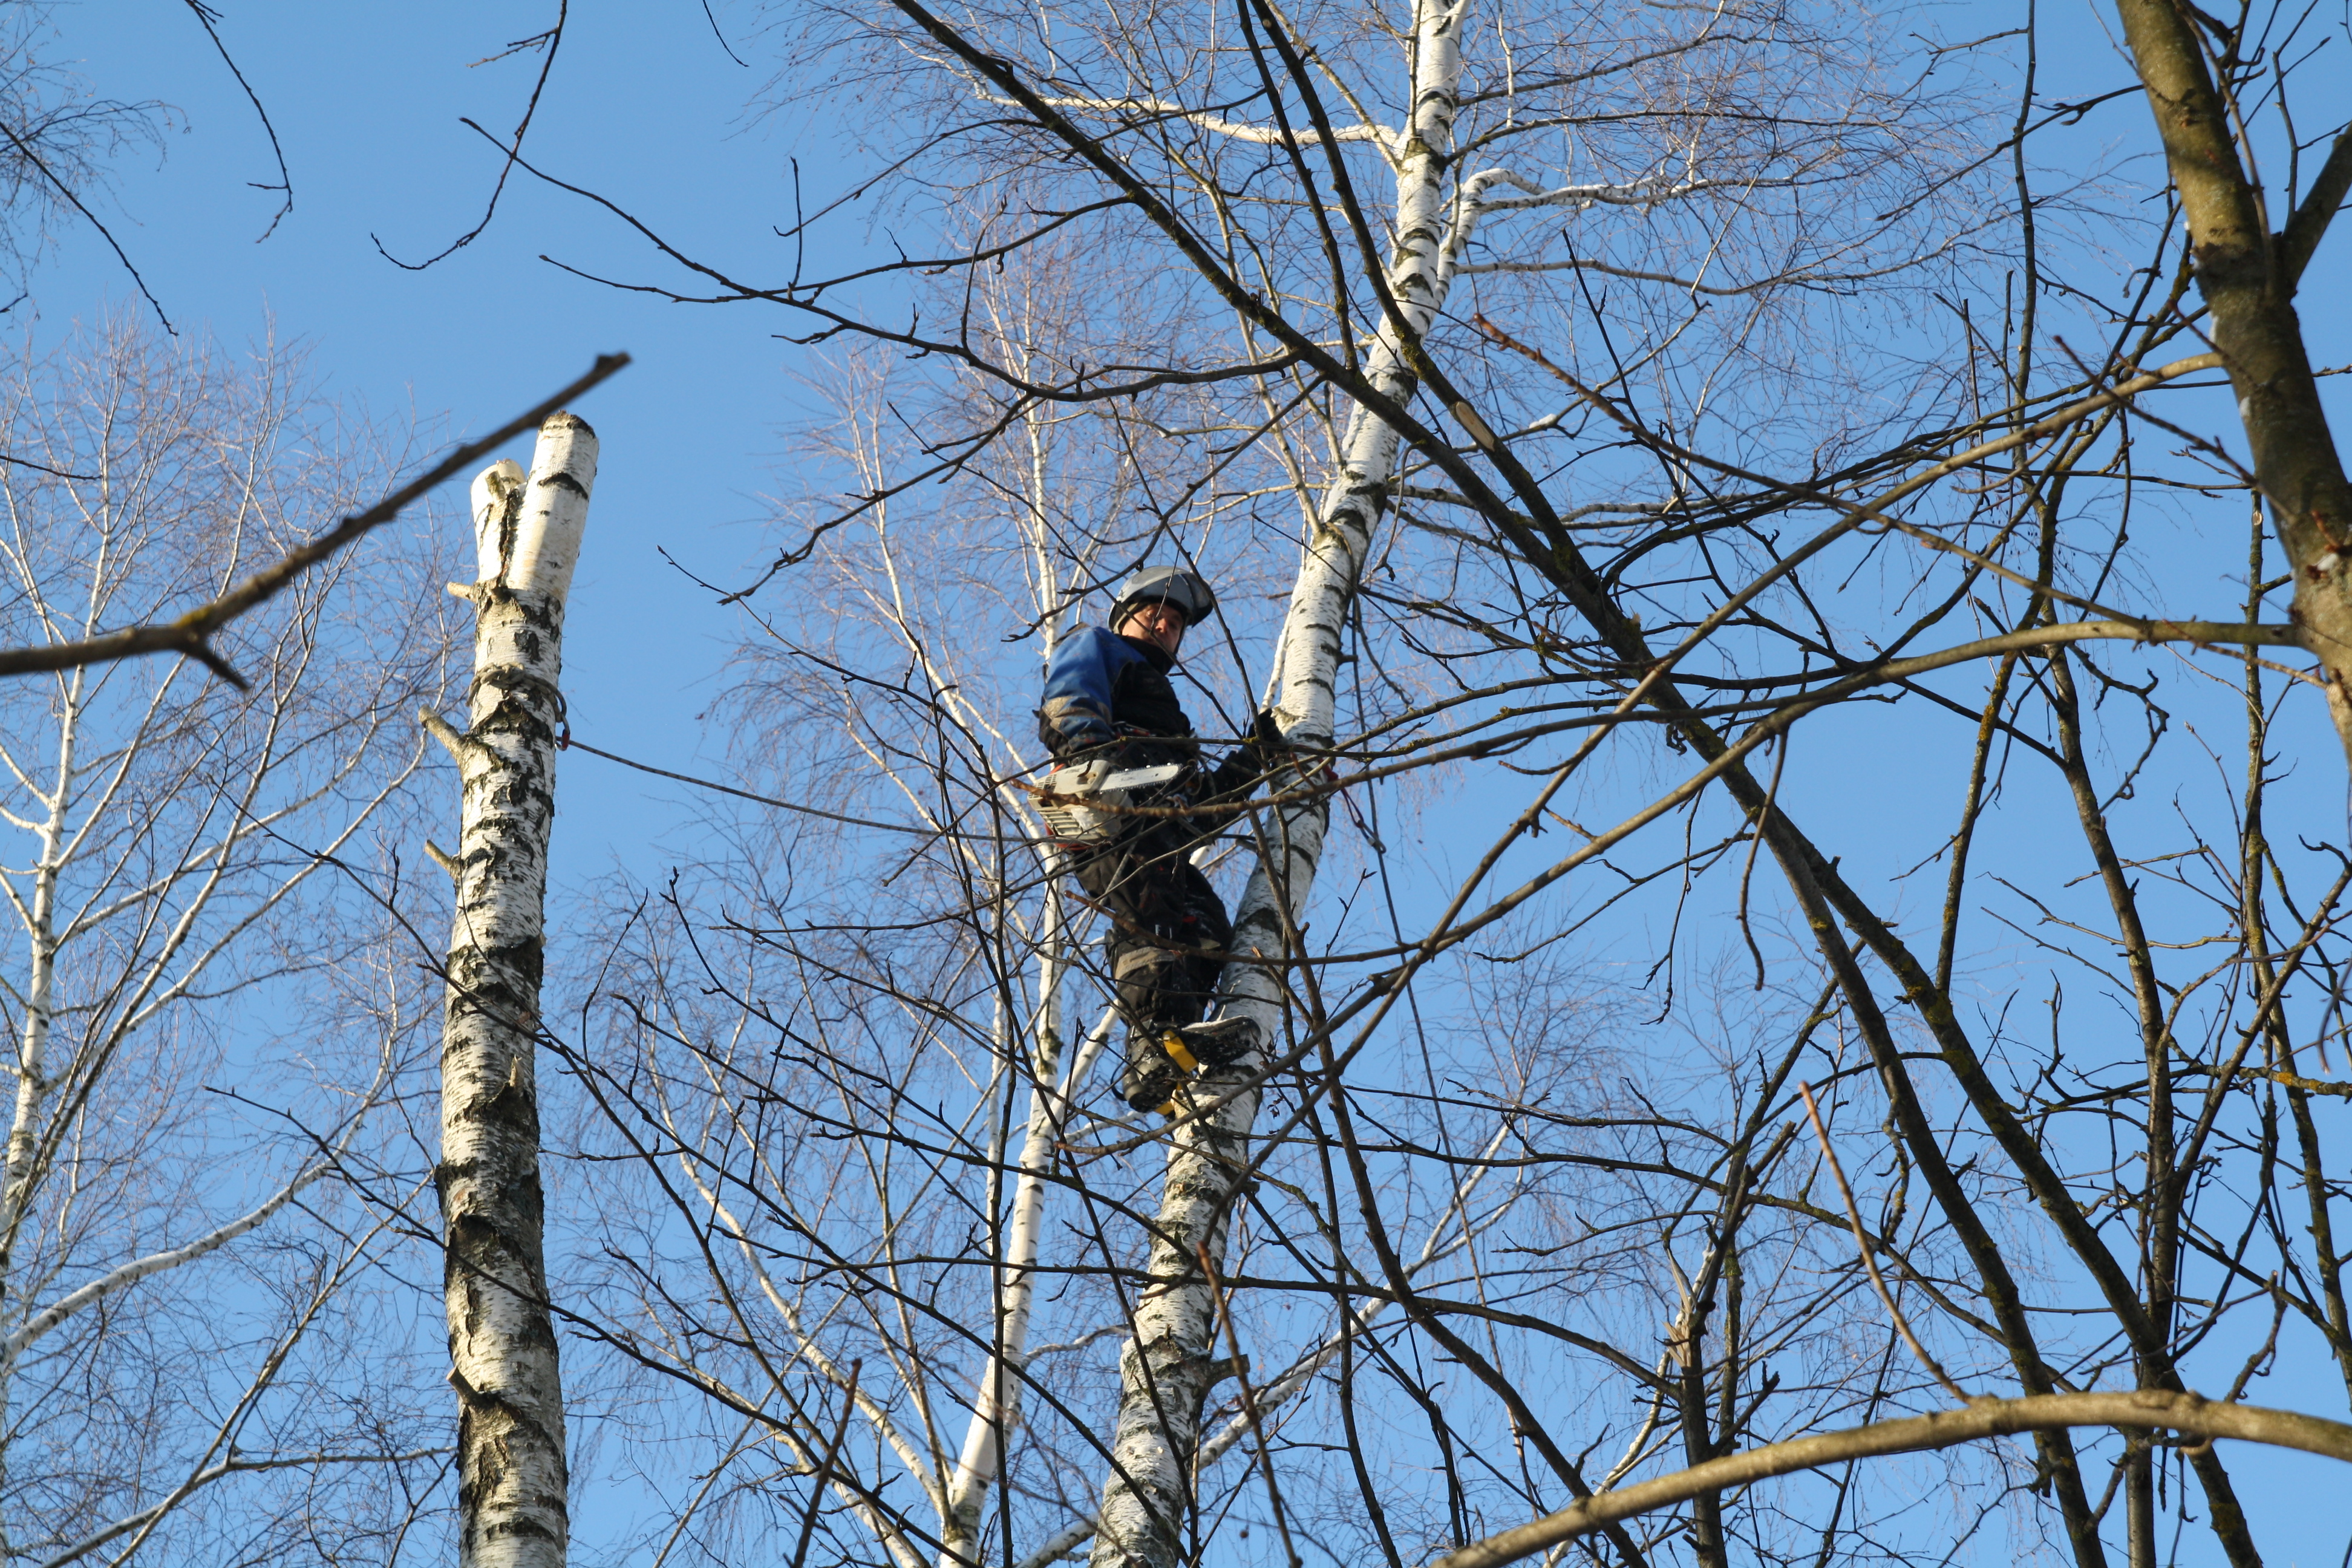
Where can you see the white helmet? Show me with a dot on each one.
(1187, 591)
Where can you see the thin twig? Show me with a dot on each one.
(824, 1470)
(574, 744)
(1862, 1240)
(554, 39)
(285, 184)
(25, 151)
(1249, 1405)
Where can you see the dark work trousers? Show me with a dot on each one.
(1166, 928)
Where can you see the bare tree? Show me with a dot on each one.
(204, 1027)
(60, 138)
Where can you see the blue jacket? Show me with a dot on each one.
(1102, 687)
(1106, 690)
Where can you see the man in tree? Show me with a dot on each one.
(1109, 714)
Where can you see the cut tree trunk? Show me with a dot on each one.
(512, 1473)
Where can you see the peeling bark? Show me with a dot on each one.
(511, 1472)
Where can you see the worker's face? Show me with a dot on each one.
(1157, 622)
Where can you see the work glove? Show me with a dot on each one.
(1264, 749)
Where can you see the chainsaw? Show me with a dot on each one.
(1083, 804)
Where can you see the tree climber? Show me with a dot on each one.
(1110, 712)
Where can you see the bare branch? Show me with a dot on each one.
(191, 633)
(2191, 1415)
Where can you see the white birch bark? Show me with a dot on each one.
(1055, 1082)
(40, 986)
(1295, 1379)
(996, 1402)
(996, 1405)
(33, 1080)
(1167, 1366)
(512, 1473)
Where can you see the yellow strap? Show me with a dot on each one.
(1177, 1052)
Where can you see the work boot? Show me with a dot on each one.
(1156, 1066)
(1220, 1043)
(1149, 1080)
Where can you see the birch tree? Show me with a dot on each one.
(1165, 1370)
(197, 1046)
(512, 1480)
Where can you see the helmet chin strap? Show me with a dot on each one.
(1132, 616)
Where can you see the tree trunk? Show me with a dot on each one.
(41, 990)
(2248, 278)
(1169, 1364)
(511, 1475)
(33, 1079)
(996, 1404)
